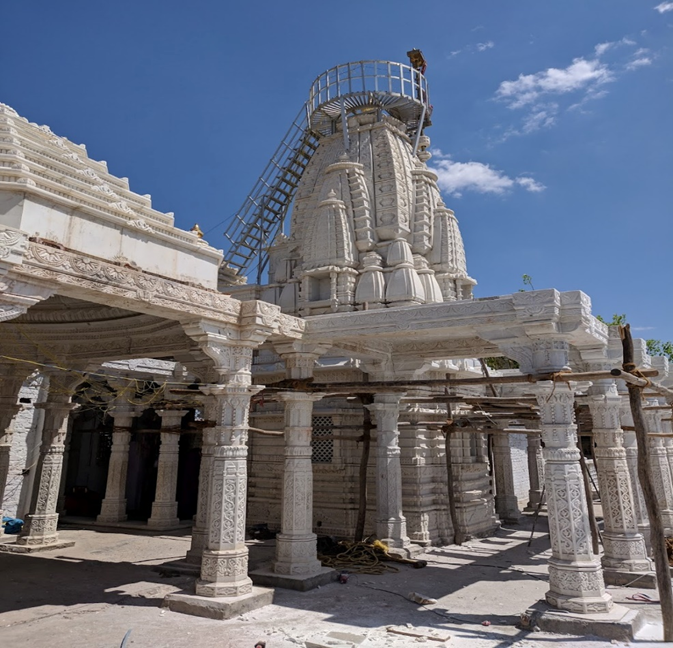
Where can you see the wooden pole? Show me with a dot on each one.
(447, 429)
(657, 540)
(590, 500)
(365, 399)
(641, 382)
(586, 476)
(355, 388)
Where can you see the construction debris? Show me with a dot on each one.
(418, 633)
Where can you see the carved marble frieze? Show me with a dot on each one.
(89, 277)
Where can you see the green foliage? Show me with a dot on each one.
(617, 320)
(654, 347)
(527, 281)
(501, 363)
(659, 348)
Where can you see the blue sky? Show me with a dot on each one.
(552, 124)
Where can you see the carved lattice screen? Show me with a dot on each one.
(322, 449)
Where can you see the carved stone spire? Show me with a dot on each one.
(372, 197)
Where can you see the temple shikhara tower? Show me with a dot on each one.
(329, 373)
(369, 228)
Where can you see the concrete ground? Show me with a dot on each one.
(91, 594)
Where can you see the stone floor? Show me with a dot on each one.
(89, 595)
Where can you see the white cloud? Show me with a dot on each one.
(638, 63)
(601, 48)
(664, 7)
(479, 47)
(582, 81)
(541, 116)
(528, 88)
(456, 177)
(643, 328)
(589, 96)
(529, 184)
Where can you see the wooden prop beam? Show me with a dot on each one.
(657, 539)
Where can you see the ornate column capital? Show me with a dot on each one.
(230, 353)
(171, 419)
(228, 406)
(300, 357)
(298, 404)
(123, 415)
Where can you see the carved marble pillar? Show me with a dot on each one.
(625, 554)
(631, 450)
(506, 501)
(224, 579)
(659, 468)
(42, 520)
(199, 530)
(296, 552)
(224, 567)
(575, 576)
(165, 506)
(60, 504)
(535, 472)
(9, 393)
(391, 525)
(668, 441)
(113, 507)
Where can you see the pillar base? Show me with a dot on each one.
(580, 604)
(112, 511)
(218, 607)
(296, 555)
(623, 578)
(269, 578)
(619, 624)
(15, 547)
(577, 587)
(39, 529)
(226, 589)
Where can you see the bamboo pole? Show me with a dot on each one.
(448, 456)
(474, 429)
(593, 525)
(267, 432)
(365, 399)
(355, 388)
(657, 540)
(496, 400)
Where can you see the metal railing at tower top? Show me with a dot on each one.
(398, 89)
